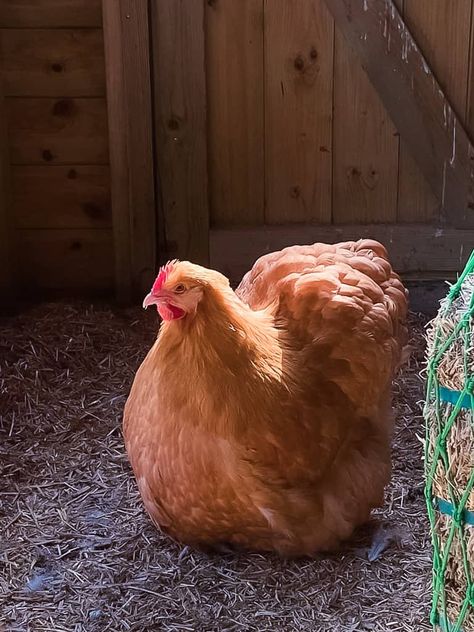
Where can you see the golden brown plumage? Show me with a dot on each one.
(262, 418)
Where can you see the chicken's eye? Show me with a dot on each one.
(179, 289)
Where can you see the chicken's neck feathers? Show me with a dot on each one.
(226, 333)
(227, 356)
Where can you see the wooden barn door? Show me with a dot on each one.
(241, 127)
(290, 121)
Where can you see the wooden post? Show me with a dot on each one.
(180, 122)
(414, 99)
(126, 36)
(5, 260)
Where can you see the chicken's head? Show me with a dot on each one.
(179, 288)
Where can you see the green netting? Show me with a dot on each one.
(449, 449)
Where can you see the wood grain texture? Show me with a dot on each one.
(414, 100)
(126, 30)
(117, 122)
(138, 102)
(61, 197)
(68, 260)
(50, 13)
(57, 131)
(442, 31)
(235, 101)
(413, 249)
(470, 95)
(180, 121)
(52, 62)
(365, 146)
(6, 272)
(298, 110)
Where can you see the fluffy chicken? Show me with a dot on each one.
(261, 418)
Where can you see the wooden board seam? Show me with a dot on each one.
(412, 247)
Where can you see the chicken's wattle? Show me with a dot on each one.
(167, 311)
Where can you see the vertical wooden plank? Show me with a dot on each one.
(470, 88)
(234, 71)
(137, 73)
(126, 34)
(442, 31)
(298, 110)
(365, 146)
(180, 123)
(5, 265)
(117, 121)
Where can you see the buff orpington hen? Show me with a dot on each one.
(261, 418)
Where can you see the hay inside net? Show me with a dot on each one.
(449, 456)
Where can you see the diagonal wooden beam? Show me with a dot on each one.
(414, 99)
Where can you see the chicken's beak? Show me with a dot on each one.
(150, 299)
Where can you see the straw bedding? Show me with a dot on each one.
(77, 551)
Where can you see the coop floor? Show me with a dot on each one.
(77, 551)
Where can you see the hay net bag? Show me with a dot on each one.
(449, 455)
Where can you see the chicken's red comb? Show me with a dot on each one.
(163, 274)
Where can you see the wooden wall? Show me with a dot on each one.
(290, 140)
(53, 76)
(253, 120)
